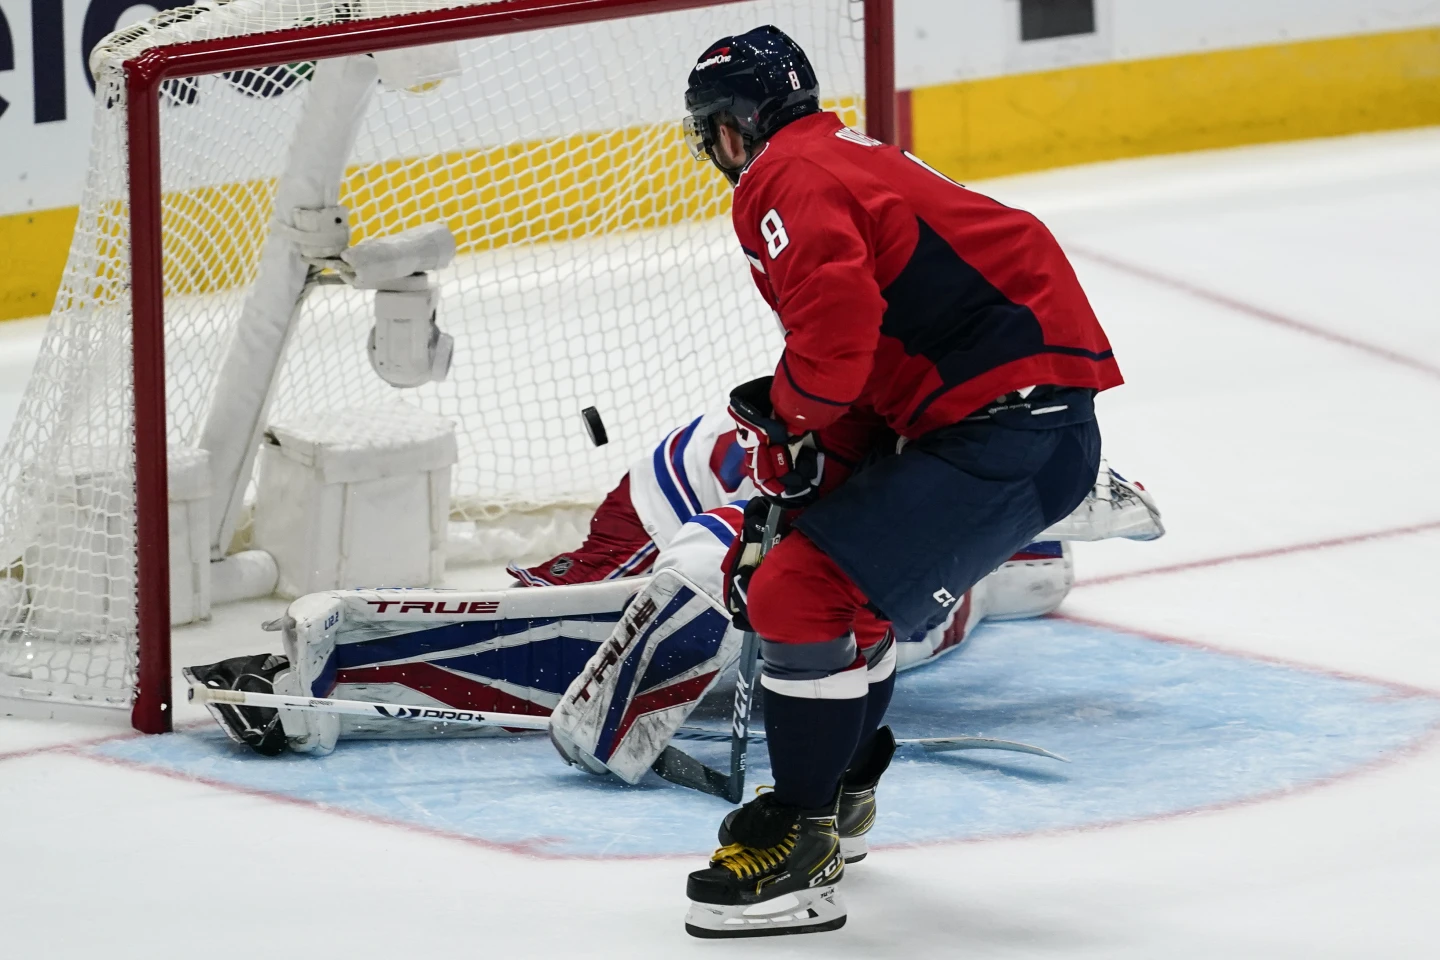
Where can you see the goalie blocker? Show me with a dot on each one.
(620, 664)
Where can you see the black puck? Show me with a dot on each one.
(595, 427)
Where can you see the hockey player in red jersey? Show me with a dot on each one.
(958, 323)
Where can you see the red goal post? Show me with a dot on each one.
(144, 76)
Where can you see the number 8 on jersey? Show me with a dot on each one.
(772, 229)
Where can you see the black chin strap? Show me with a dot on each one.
(732, 175)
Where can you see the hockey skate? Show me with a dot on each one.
(776, 877)
(857, 794)
(856, 814)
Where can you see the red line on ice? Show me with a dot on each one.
(1400, 689)
(526, 848)
(1256, 312)
(71, 746)
(1419, 745)
(1265, 554)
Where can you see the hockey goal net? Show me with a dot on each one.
(594, 267)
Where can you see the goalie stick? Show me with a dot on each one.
(519, 721)
(366, 708)
(523, 721)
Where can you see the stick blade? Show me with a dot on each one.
(680, 768)
(947, 744)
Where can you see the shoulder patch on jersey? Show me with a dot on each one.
(852, 135)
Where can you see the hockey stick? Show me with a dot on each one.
(681, 768)
(685, 769)
(363, 708)
(928, 744)
(745, 677)
(946, 744)
(714, 781)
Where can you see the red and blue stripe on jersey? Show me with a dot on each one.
(669, 465)
(902, 292)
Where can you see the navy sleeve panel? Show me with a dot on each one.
(954, 298)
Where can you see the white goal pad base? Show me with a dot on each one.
(356, 498)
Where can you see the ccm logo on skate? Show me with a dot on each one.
(943, 597)
(435, 606)
(614, 650)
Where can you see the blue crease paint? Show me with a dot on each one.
(1152, 729)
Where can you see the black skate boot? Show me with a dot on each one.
(857, 794)
(856, 814)
(776, 876)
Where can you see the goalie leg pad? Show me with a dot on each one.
(667, 651)
(1114, 507)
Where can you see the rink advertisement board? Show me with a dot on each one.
(1152, 728)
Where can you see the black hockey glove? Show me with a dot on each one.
(786, 470)
(744, 558)
(257, 727)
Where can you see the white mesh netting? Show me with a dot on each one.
(595, 268)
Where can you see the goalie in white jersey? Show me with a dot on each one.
(700, 466)
(533, 650)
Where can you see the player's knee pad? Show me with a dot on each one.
(799, 595)
(829, 670)
(880, 660)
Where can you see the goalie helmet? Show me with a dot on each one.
(760, 80)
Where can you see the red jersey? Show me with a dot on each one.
(902, 292)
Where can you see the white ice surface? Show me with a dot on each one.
(1255, 436)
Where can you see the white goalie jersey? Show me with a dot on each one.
(700, 466)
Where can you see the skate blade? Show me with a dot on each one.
(854, 849)
(813, 911)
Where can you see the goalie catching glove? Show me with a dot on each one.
(785, 470)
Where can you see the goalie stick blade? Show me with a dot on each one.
(946, 744)
(680, 768)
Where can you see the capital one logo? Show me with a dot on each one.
(714, 58)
